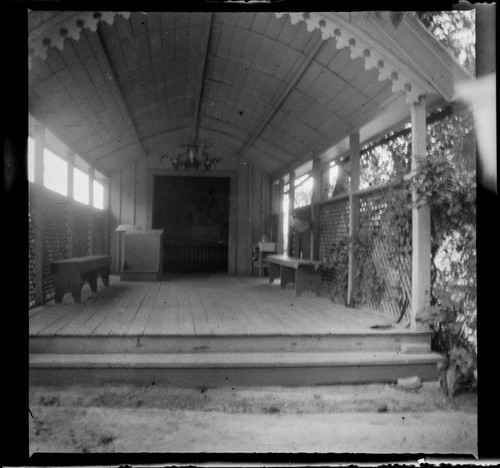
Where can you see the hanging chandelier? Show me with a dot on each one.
(193, 156)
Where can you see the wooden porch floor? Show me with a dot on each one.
(200, 306)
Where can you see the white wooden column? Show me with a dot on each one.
(279, 247)
(70, 160)
(291, 203)
(91, 211)
(353, 214)
(315, 199)
(39, 141)
(421, 223)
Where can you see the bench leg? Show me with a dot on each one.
(308, 280)
(274, 272)
(60, 290)
(105, 276)
(92, 279)
(287, 276)
(76, 292)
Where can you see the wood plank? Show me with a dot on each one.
(159, 308)
(216, 305)
(41, 321)
(184, 321)
(203, 321)
(99, 322)
(223, 315)
(138, 324)
(77, 312)
(125, 319)
(86, 314)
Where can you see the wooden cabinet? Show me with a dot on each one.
(142, 255)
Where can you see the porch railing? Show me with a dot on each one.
(182, 258)
(393, 270)
(333, 232)
(60, 227)
(394, 273)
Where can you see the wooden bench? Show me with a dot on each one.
(306, 274)
(70, 275)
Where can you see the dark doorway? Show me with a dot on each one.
(194, 214)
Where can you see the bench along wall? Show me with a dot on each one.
(59, 228)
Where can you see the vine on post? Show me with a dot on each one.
(445, 181)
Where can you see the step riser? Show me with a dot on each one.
(211, 344)
(217, 377)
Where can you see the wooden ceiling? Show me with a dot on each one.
(257, 87)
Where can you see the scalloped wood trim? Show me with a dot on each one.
(359, 47)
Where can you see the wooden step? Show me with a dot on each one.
(150, 344)
(415, 347)
(237, 369)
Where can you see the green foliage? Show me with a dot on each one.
(384, 221)
(444, 180)
(456, 30)
(337, 265)
(387, 161)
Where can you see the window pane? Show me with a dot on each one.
(80, 186)
(98, 195)
(55, 176)
(31, 159)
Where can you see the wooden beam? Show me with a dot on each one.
(421, 223)
(316, 198)
(201, 84)
(278, 102)
(291, 203)
(353, 215)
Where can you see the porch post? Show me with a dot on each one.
(279, 246)
(353, 214)
(421, 223)
(315, 199)
(39, 140)
(70, 159)
(36, 209)
(291, 202)
(91, 211)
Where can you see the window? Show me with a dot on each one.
(98, 195)
(303, 190)
(80, 186)
(55, 172)
(31, 159)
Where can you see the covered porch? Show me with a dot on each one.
(136, 107)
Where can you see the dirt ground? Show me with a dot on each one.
(374, 418)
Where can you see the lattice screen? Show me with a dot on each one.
(54, 234)
(32, 279)
(334, 229)
(393, 274)
(61, 223)
(81, 232)
(99, 233)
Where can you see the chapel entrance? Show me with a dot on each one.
(194, 214)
